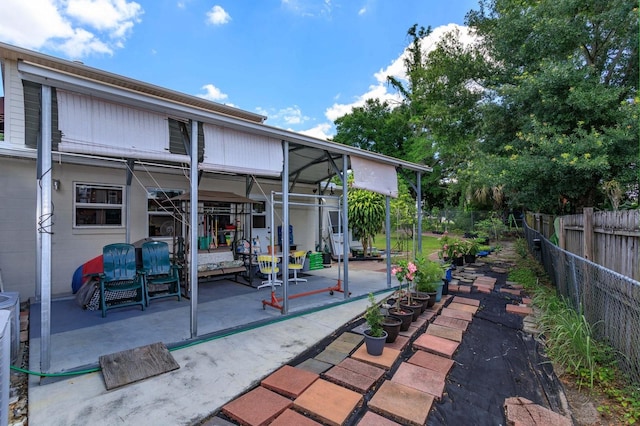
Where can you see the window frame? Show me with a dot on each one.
(94, 205)
(162, 212)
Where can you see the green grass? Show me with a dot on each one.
(430, 244)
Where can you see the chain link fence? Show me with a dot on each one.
(610, 301)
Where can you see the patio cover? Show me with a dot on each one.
(217, 196)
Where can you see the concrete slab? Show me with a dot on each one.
(257, 407)
(386, 360)
(350, 379)
(513, 291)
(431, 361)
(436, 345)
(314, 365)
(445, 332)
(331, 356)
(456, 313)
(289, 381)
(452, 323)
(522, 412)
(462, 307)
(407, 405)
(349, 337)
(362, 368)
(343, 346)
(328, 402)
(372, 419)
(400, 343)
(420, 378)
(290, 417)
(466, 301)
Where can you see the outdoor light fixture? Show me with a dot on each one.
(56, 184)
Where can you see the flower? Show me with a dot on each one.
(405, 270)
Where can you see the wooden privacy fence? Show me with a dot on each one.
(610, 239)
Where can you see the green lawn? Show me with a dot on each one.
(430, 244)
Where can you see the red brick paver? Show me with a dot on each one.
(455, 313)
(520, 310)
(289, 381)
(386, 360)
(407, 405)
(372, 419)
(466, 301)
(431, 361)
(445, 332)
(460, 324)
(290, 417)
(420, 378)
(436, 345)
(522, 412)
(328, 402)
(257, 407)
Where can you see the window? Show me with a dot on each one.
(259, 218)
(160, 211)
(98, 205)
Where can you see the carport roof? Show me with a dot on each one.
(311, 160)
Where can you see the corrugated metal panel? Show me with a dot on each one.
(229, 150)
(94, 126)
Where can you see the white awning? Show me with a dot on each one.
(94, 126)
(374, 176)
(228, 150)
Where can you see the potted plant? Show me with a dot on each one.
(407, 270)
(429, 279)
(452, 250)
(471, 248)
(374, 336)
(391, 325)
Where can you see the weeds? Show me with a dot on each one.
(568, 338)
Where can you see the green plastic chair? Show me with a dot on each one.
(120, 283)
(162, 279)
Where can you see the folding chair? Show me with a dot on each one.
(162, 279)
(120, 283)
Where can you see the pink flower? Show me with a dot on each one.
(412, 268)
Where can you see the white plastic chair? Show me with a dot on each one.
(296, 264)
(268, 266)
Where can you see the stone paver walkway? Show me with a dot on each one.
(343, 385)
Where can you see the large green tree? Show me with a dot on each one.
(560, 122)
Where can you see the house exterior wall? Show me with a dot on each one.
(71, 247)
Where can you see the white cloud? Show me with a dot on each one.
(218, 16)
(212, 93)
(288, 116)
(76, 27)
(321, 131)
(310, 8)
(362, 11)
(396, 69)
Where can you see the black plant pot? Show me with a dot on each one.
(432, 299)
(458, 261)
(423, 298)
(392, 326)
(406, 316)
(469, 258)
(416, 307)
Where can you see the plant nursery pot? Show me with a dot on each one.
(439, 291)
(422, 298)
(406, 316)
(415, 307)
(374, 345)
(432, 299)
(392, 326)
(458, 261)
(469, 258)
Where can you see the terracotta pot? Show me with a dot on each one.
(405, 316)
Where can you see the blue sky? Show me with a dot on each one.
(302, 63)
